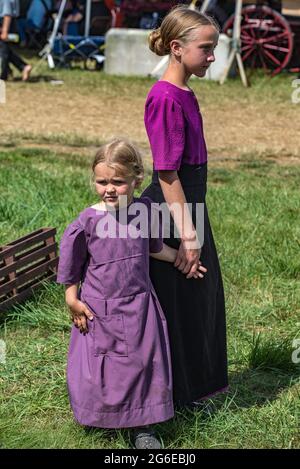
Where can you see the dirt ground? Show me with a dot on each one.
(232, 128)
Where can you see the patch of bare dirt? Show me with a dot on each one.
(231, 130)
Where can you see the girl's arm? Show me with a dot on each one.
(79, 311)
(188, 255)
(71, 294)
(174, 195)
(169, 254)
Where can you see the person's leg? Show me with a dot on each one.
(16, 60)
(4, 60)
(20, 65)
(22, 24)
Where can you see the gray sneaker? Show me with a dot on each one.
(145, 439)
(207, 408)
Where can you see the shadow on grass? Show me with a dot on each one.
(258, 387)
(251, 388)
(36, 79)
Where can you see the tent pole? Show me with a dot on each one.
(87, 17)
(205, 5)
(235, 53)
(46, 51)
(56, 26)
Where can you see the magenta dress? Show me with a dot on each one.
(194, 309)
(119, 373)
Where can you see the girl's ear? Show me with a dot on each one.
(136, 183)
(176, 48)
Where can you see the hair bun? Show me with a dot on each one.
(156, 43)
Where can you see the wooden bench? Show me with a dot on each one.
(24, 264)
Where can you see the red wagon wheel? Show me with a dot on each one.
(266, 38)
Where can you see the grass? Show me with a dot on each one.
(254, 207)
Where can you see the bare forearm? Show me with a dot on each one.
(71, 293)
(167, 254)
(175, 198)
(6, 25)
(79, 311)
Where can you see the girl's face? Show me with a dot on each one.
(114, 189)
(197, 54)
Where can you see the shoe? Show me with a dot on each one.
(26, 72)
(203, 406)
(145, 439)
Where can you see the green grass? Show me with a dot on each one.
(255, 220)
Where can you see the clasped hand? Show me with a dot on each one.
(188, 261)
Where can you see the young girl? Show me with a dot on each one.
(118, 370)
(195, 311)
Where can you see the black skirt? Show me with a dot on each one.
(194, 308)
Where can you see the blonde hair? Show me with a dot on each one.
(123, 156)
(178, 24)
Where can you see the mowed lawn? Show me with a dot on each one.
(254, 205)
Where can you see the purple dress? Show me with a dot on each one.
(119, 373)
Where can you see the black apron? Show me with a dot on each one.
(194, 308)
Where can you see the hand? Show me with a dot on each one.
(187, 260)
(4, 36)
(79, 313)
(196, 272)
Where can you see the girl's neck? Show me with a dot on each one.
(106, 208)
(176, 75)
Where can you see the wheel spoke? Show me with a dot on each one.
(247, 47)
(271, 57)
(245, 57)
(247, 39)
(253, 60)
(244, 31)
(275, 38)
(281, 49)
(249, 26)
(264, 32)
(262, 60)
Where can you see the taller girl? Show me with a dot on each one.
(194, 309)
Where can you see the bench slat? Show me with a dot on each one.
(26, 241)
(30, 275)
(7, 304)
(27, 259)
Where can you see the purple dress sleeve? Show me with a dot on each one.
(73, 255)
(165, 125)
